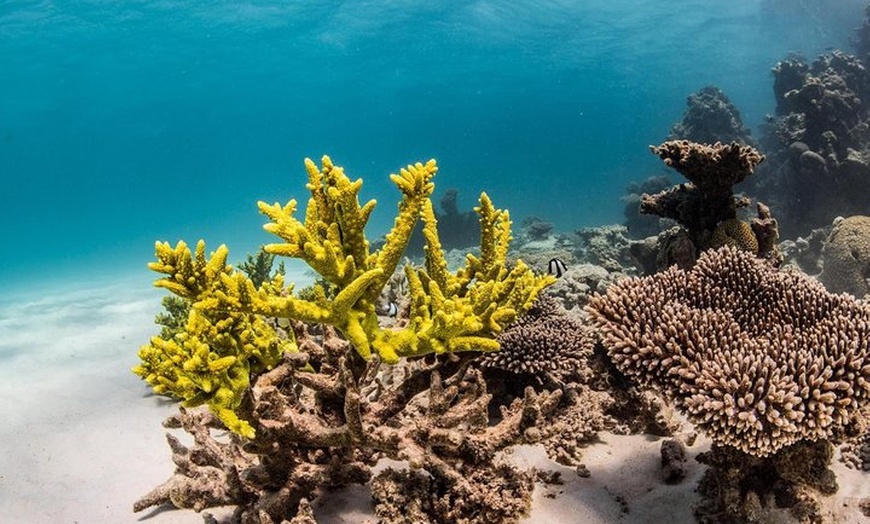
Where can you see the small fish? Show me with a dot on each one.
(392, 309)
(556, 267)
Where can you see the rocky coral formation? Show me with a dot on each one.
(227, 339)
(740, 487)
(846, 257)
(637, 224)
(855, 451)
(706, 207)
(710, 117)
(805, 253)
(818, 142)
(767, 363)
(535, 229)
(403, 496)
(605, 246)
(323, 419)
(757, 359)
(577, 285)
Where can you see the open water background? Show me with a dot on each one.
(125, 122)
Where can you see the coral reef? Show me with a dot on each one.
(709, 118)
(323, 419)
(227, 338)
(535, 229)
(757, 359)
(805, 253)
(846, 257)
(706, 206)
(767, 363)
(605, 246)
(577, 285)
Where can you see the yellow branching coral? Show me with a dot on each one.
(458, 312)
(212, 360)
(450, 312)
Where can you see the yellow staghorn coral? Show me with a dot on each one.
(467, 310)
(450, 312)
(212, 360)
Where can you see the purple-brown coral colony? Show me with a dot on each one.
(705, 309)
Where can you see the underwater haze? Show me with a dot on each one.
(126, 122)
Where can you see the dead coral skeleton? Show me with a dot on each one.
(317, 428)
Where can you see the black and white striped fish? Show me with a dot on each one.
(556, 267)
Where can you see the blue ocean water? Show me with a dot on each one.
(122, 123)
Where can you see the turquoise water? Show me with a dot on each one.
(126, 122)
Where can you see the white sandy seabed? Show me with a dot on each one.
(82, 436)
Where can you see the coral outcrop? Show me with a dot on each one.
(710, 117)
(846, 257)
(739, 487)
(706, 207)
(756, 358)
(543, 341)
(605, 246)
(324, 419)
(818, 141)
(227, 339)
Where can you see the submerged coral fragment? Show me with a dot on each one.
(758, 359)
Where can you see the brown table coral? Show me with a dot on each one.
(770, 365)
(757, 358)
(706, 206)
